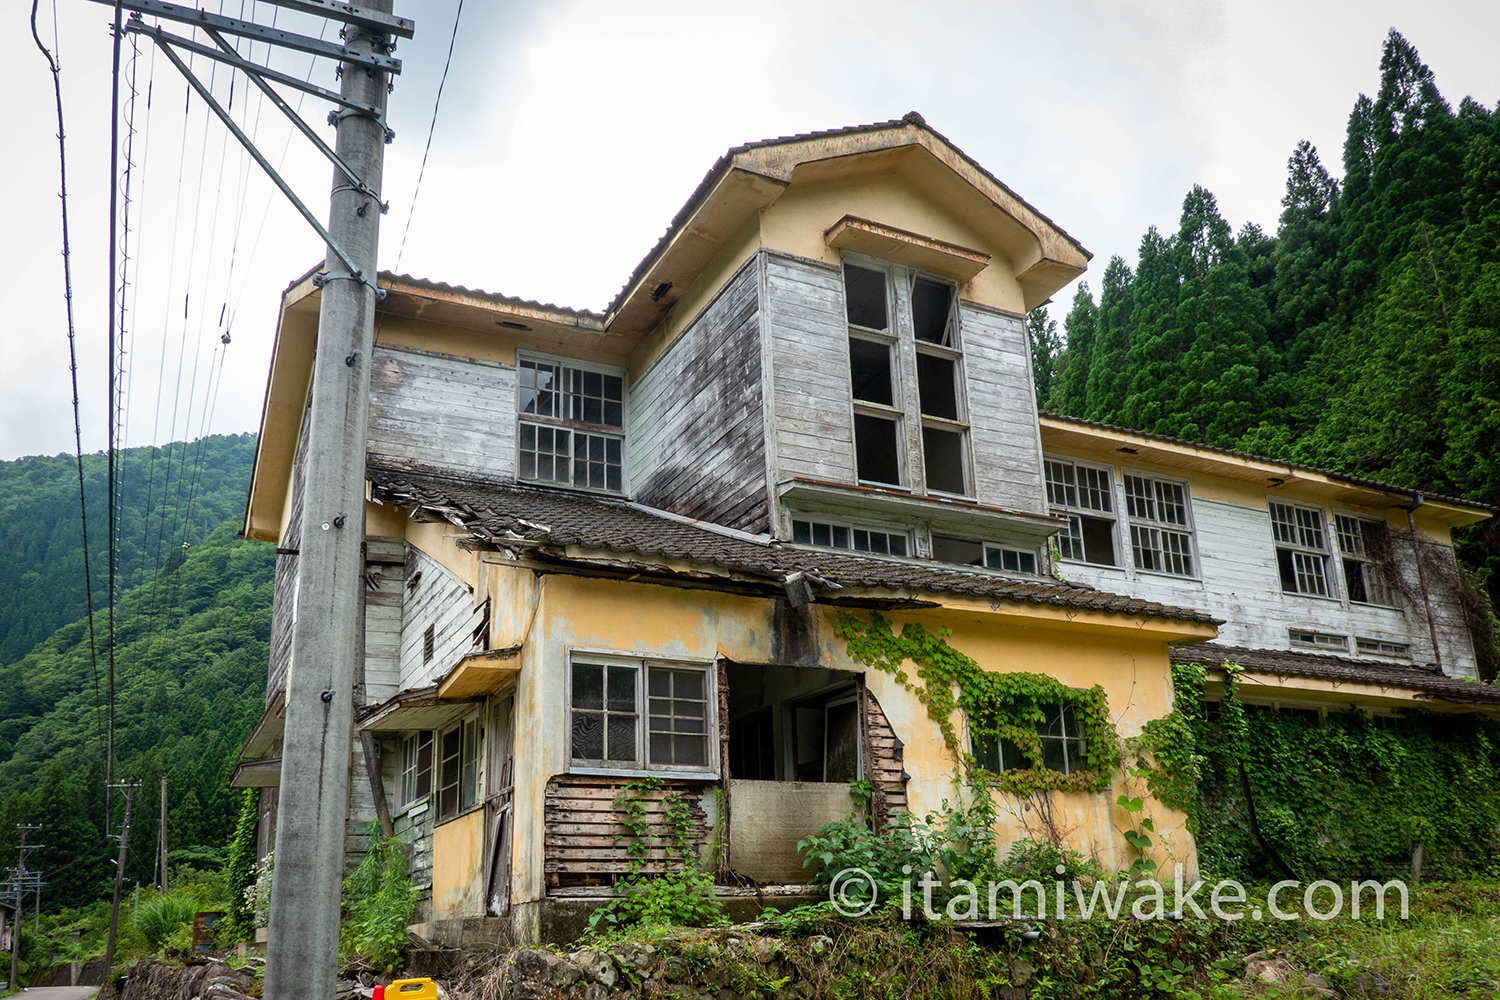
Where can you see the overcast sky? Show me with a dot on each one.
(570, 132)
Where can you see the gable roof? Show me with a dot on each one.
(555, 518)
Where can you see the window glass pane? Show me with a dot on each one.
(622, 689)
(870, 371)
(588, 687)
(840, 537)
(620, 738)
(864, 292)
(875, 450)
(1354, 579)
(861, 540)
(936, 386)
(1028, 562)
(897, 544)
(878, 542)
(802, 532)
(957, 550)
(588, 736)
(943, 454)
(1010, 560)
(687, 684)
(932, 310)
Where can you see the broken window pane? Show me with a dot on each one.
(875, 450)
(870, 371)
(957, 550)
(936, 386)
(932, 311)
(864, 295)
(943, 451)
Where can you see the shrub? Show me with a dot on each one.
(162, 915)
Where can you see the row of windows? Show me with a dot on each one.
(1157, 520)
(945, 548)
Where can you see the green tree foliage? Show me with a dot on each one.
(190, 655)
(1364, 337)
(1046, 348)
(169, 495)
(1069, 389)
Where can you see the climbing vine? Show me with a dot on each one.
(681, 897)
(1283, 792)
(998, 706)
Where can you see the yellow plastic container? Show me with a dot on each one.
(412, 989)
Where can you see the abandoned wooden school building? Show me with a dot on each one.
(607, 546)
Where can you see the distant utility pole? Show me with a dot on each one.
(164, 889)
(312, 805)
(114, 909)
(20, 882)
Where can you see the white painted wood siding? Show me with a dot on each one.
(812, 423)
(1240, 583)
(432, 410)
(385, 584)
(1002, 410)
(696, 435)
(284, 593)
(442, 600)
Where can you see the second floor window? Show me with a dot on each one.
(1084, 494)
(1365, 545)
(1301, 549)
(1161, 531)
(901, 321)
(572, 423)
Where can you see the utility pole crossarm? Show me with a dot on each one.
(261, 33)
(233, 58)
(363, 17)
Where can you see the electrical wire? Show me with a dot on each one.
(111, 484)
(431, 128)
(83, 511)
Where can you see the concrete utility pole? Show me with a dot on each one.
(15, 932)
(114, 910)
(164, 889)
(312, 807)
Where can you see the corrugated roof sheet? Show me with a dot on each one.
(498, 512)
(1338, 668)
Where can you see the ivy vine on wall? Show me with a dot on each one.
(998, 706)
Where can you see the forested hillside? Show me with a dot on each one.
(169, 495)
(190, 670)
(1364, 336)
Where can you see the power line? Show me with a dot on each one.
(83, 515)
(114, 151)
(431, 127)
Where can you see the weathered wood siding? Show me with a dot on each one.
(1003, 431)
(285, 591)
(588, 843)
(885, 758)
(1240, 584)
(385, 585)
(808, 339)
(433, 596)
(696, 436)
(443, 411)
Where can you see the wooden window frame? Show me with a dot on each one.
(1065, 716)
(468, 783)
(852, 526)
(1075, 511)
(992, 553)
(1298, 547)
(560, 423)
(641, 765)
(1136, 525)
(1371, 570)
(409, 780)
(905, 412)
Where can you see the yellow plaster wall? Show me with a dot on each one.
(799, 218)
(458, 866)
(1128, 659)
